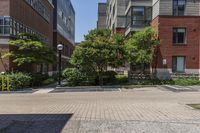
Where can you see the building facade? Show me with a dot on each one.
(64, 29)
(178, 27)
(30, 16)
(177, 23)
(101, 23)
(116, 18)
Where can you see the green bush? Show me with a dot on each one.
(121, 79)
(187, 82)
(153, 82)
(74, 76)
(109, 77)
(38, 78)
(48, 81)
(17, 80)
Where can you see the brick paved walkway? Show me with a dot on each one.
(139, 110)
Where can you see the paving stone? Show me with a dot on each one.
(137, 110)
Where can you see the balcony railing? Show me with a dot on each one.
(138, 24)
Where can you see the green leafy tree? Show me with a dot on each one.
(30, 49)
(118, 57)
(140, 47)
(98, 51)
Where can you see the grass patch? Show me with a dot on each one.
(195, 106)
(137, 86)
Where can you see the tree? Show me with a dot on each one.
(98, 51)
(140, 47)
(118, 58)
(30, 49)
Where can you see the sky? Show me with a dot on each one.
(86, 16)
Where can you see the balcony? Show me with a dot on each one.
(137, 18)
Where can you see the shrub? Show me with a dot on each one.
(48, 81)
(153, 82)
(109, 77)
(38, 78)
(17, 80)
(55, 76)
(73, 76)
(187, 82)
(121, 79)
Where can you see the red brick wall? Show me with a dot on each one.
(120, 30)
(24, 13)
(164, 25)
(4, 7)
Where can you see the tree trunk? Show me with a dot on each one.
(100, 78)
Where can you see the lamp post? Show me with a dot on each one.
(59, 48)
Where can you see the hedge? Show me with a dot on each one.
(16, 81)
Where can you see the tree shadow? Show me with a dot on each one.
(33, 123)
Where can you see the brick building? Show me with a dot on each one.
(178, 27)
(30, 16)
(177, 23)
(24, 16)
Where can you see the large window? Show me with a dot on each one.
(11, 27)
(4, 25)
(139, 16)
(179, 35)
(179, 7)
(40, 8)
(178, 64)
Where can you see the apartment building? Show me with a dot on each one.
(64, 29)
(138, 15)
(116, 18)
(101, 23)
(177, 23)
(178, 28)
(30, 16)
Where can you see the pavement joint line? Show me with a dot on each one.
(145, 121)
(172, 87)
(43, 91)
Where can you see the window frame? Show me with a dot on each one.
(175, 71)
(185, 37)
(175, 8)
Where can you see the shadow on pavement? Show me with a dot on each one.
(33, 123)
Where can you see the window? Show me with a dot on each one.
(113, 10)
(40, 8)
(1, 25)
(138, 15)
(179, 7)
(10, 27)
(179, 35)
(4, 25)
(178, 64)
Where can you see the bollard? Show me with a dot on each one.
(2, 83)
(8, 84)
(5, 83)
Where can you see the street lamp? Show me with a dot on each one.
(59, 48)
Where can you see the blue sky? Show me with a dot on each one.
(86, 16)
